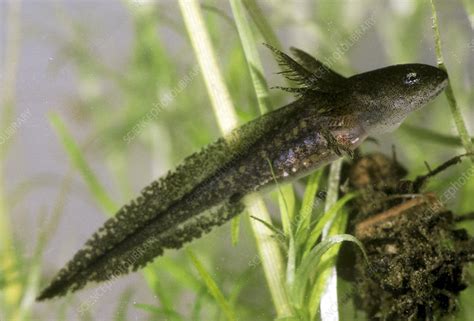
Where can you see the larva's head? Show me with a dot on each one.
(386, 96)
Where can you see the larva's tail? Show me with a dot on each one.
(136, 250)
(165, 215)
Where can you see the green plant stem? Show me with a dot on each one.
(45, 234)
(12, 291)
(78, 160)
(251, 55)
(469, 6)
(268, 248)
(216, 88)
(329, 297)
(433, 136)
(456, 113)
(10, 67)
(213, 288)
(261, 22)
(225, 113)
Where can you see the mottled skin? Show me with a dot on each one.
(332, 115)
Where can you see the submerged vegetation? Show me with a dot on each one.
(169, 98)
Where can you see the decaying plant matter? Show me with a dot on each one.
(417, 255)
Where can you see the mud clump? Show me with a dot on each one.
(417, 255)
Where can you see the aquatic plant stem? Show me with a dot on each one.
(329, 296)
(268, 249)
(251, 55)
(456, 113)
(260, 20)
(216, 88)
(12, 290)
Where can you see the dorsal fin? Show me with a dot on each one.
(316, 66)
(307, 73)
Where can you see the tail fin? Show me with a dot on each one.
(154, 217)
(136, 250)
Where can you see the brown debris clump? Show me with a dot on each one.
(417, 256)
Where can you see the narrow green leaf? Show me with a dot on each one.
(329, 295)
(122, 305)
(284, 208)
(196, 311)
(272, 228)
(159, 311)
(304, 216)
(286, 195)
(306, 270)
(325, 270)
(469, 7)
(286, 203)
(251, 55)
(180, 273)
(79, 162)
(235, 230)
(327, 217)
(152, 275)
(268, 248)
(431, 135)
(213, 288)
(204, 52)
(455, 111)
(261, 22)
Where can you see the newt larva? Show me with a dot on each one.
(331, 115)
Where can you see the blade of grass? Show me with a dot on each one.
(286, 203)
(469, 6)
(156, 311)
(433, 136)
(180, 273)
(326, 271)
(251, 55)
(225, 113)
(213, 289)
(62, 309)
(259, 83)
(45, 234)
(220, 98)
(12, 289)
(152, 276)
(306, 270)
(286, 195)
(327, 217)
(304, 217)
(197, 307)
(289, 234)
(216, 88)
(242, 281)
(122, 305)
(77, 159)
(284, 206)
(79, 162)
(272, 228)
(261, 22)
(10, 67)
(456, 113)
(270, 256)
(32, 278)
(235, 230)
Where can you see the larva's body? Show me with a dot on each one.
(332, 114)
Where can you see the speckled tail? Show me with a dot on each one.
(138, 249)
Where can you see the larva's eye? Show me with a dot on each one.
(411, 78)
